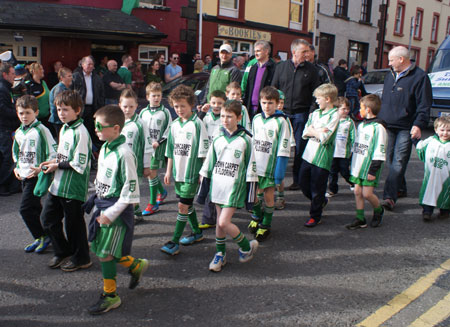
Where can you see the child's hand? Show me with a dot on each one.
(103, 220)
(167, 179)
(323, 130)
(155, 145)
(146, 172)
(35, 172)
(49, 168)
(205, 107)
(370, 177)
(16, 172)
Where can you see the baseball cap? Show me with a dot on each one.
(19, 69)
(281, 94)
(226, 47)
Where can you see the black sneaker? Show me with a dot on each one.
(377, 219)
(104, 304)
(356, 224)
(262, 233)
(253, 226)
(427, 216)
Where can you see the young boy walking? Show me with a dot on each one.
(157, 120)
(369, 153)
(271, 145)
(187, 146)
(230, 164)
(434, 152)
(69, 187)
(116, 192)
(33, 144)
(234, 92)
(137, 137)
(320, 130)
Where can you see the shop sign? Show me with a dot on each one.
(243, 33)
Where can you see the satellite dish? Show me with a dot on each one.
(8, 57)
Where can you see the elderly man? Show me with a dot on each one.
(112, 83)
(405, 108)
(223, 73)
(173, 71)
(8, 124)
(259, 76)
(297, 78)
(90, 87)
(124, 71)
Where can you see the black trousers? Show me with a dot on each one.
(30, 208)
(313, 183)
(339, 165)
(76, 245)
(88, 120)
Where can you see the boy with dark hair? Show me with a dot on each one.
(234, 92)
(272, 146)
(69, 187)
(157, 120)
(33, 144)
(369, 153)
(112, 224)
(230, 164)
(187, 145)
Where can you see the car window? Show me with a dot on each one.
(376, 77)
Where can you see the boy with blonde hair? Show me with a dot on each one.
(320, 131)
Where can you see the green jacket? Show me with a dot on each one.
(221, 76)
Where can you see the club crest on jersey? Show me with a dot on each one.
(448, 154)
(32, 143)
(237, 154)
(55, 147)
(366, 137)
(254, 167)
(188, 135)
(158, 122)
(285, 143)
(206, 144)
(66, 145)
(382, 148)
(108, 172)
(130, 135)
(270, 133)
(82, 158)
(132, 185)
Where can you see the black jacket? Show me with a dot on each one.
(79, 85)
(406, 102)
(298, 85)
(340, 75)
(265, 81)
(8, 115)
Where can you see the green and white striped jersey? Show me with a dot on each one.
(370, 144)
(187, 145)
(158, 124)
(116, 174)
(32, 146)
(319, 152)
(138, 140)
(271, 139)
(345, 137)
(435, 190)
(230, 163)
(245, 120)
(75, 147)
(212, 124)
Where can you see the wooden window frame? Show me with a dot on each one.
(433, 38)
(418, 37)
(402, 19)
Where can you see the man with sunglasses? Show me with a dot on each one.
(173, 71)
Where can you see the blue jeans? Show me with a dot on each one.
(398, 153)
(298, 122)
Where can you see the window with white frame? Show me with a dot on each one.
(434, 27)
(366, 10)
(399, 16)
(229, 8)
(238, 47)
(296, 14)
(418, 24)
(341, 8)
(148, 52)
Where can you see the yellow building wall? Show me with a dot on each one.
(209, 7)
(312, 3)
(268, 12)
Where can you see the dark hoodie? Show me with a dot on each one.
(407, 101)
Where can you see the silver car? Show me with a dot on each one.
(374, 81)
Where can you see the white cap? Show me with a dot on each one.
(226, 47)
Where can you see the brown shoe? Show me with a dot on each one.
(56, 262)
(388, 204)
(70, 266)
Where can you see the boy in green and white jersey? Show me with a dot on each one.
(33, 144)
(369, 153)
(271, 145)
(116, 192)
(187, 146)
(157, 120)
(435, 153)
(137, 137)
(230, 164)
(320, 130)
(69, 187)
(234, 92)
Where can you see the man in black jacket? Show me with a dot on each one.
(8, 124)
(259, 76)
(90, 87)
(340, 75)
(297, 78)
(405, 108)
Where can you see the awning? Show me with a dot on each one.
(87, 22)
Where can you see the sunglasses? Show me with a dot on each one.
(176, 58)
(99, 127)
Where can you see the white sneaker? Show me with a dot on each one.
(245, 256)
(218, 262)
(329, 194)
(352, 188)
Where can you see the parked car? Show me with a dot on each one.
(196, 81)
(439, 73)
(374, 81)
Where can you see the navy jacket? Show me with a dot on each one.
(8, 115)
(407, 102)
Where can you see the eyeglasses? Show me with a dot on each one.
(99, 127)
(175, 58)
